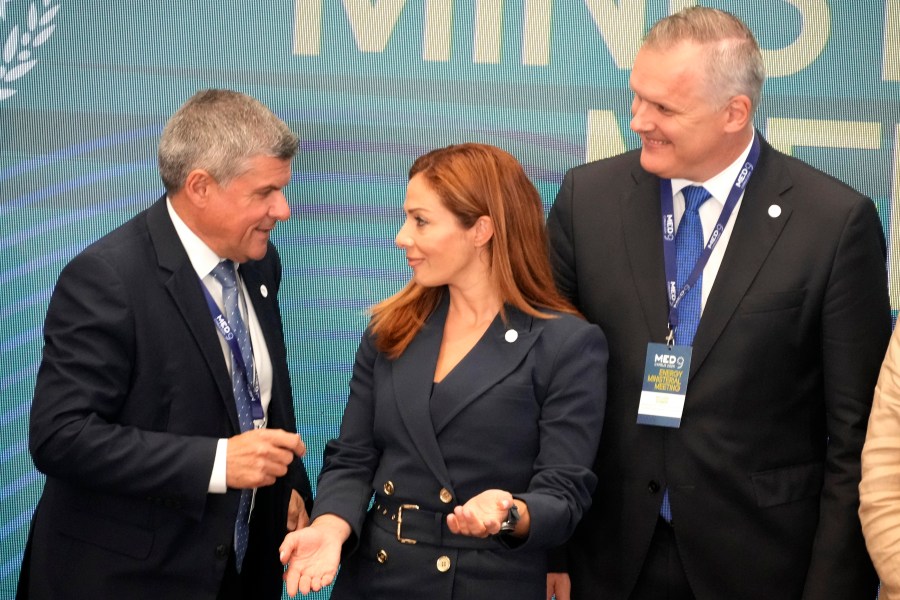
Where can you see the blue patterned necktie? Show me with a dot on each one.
(689, 244)
(224, 274)
(688, 247)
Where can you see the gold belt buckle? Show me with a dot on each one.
(400, 510)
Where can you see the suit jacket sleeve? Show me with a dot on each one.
(562, 253)
(76, 433)
(570, 424)
(855, 328)
(879, 490)
(345, 484)
(297, 477)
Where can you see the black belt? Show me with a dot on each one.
(411, 525)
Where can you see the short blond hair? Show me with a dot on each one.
(734, 63)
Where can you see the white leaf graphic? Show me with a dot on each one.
(43, 36)
(32, 17)
(48, 16)
(19, 71)
(17, 52)
(12, 44)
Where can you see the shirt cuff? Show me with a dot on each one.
(218, 483)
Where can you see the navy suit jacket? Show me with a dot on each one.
(763, 472)
(522, 414)
(132, 394)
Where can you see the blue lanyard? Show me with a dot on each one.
(668, 230)
(256, 410)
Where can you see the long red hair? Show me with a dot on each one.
(475, 180)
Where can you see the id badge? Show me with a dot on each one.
(665, 385)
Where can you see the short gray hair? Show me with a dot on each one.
(219, 131)
(734, 63)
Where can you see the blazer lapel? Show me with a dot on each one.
(487, 363)
(752, 238)
(267, 314)
(413, 377)
(642, 223)
(492, 359)
(184, 287)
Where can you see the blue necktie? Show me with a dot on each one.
(224, 274)
(689, 244)
(688, 247)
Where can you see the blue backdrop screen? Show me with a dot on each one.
(86, 86)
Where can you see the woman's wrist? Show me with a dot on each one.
(333, 525)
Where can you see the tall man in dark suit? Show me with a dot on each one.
(163, 414)
(745, 487)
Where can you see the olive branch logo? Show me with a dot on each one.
(18, 49)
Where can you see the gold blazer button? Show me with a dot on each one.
(388, 488)
(381, 557)
(443, 564)
(446, 496)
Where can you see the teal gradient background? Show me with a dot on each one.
(79, 130)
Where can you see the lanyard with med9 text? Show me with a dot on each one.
(665, 192)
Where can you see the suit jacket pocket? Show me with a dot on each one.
(115, 536)
(772, 301)
(787, 484)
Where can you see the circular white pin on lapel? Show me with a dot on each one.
(264, 291)
(774, 211)
(511, 335)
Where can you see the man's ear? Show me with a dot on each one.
(739, 113)
(198, 187)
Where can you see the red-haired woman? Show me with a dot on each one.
(475, 406)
